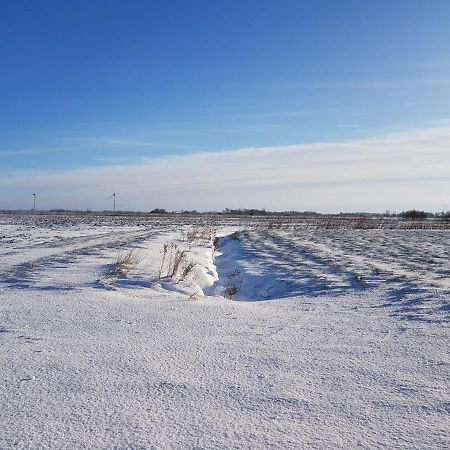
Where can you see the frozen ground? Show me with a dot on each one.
(331, 338)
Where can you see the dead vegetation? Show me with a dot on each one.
(199, 236)
(125, 262)
(121, 267)
(233, 283)
(174, 263)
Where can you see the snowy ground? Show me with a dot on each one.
(329, 338)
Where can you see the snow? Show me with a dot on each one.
(334, 338)
(410, 269)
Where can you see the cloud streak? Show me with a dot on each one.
(363, 84)
(399, 171)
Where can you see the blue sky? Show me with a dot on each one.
(90, 84)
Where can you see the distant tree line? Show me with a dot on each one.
(412, 214)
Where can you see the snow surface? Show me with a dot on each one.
(333, 339)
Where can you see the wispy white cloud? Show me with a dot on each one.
(90, 143)
(403, 170)
(360, 84)
(9, 152)
(381, 83)
(120, 142)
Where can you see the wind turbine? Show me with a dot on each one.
(34, 202)
(113, 196)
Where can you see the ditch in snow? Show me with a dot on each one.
(265, 265)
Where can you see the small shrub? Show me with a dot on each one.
(230, 291)
(199, 235)
(233, 284)
(164, 251)
(216, 243)
(124, 263)
(174, 263)
(121, 267)
(187, 270)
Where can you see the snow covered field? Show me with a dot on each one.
(276, 335)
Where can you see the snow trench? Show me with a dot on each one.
(254, 266)
(269, 264)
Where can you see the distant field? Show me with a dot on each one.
(276, 257)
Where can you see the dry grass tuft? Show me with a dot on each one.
(234, 281)
(199, 236)
(124, 263)
(174, 263)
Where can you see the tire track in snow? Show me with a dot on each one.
(38, 270)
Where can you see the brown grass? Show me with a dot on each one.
(234, 281)
(124, 263)
(174, 263)
(199, 236)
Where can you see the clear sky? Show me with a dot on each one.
(96, 87)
